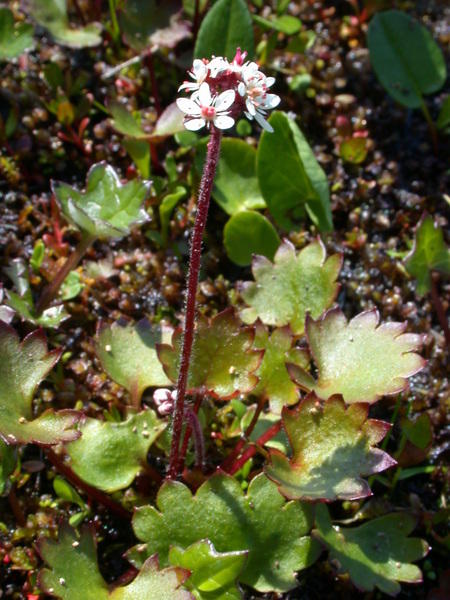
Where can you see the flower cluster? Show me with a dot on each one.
(221, 91)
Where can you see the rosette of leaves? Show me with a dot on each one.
(73, 573)
(358, 359)
(109, 455)
(108, 208)
(294, 285)
(273, 531)
(224, 359)
(378, 553)
(15, 38)
(332, 446)
(23, 365)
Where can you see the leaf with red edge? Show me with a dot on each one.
(292, 286)
(23, 365)
(332, 446)
(74, 573)
(223, 361)
(378, 553)
(359, 359)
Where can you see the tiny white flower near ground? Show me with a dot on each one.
(199, 73)
(203, 109)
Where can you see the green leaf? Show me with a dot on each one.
(223, 360)
(8, 460)
(375, 554)
(236, 186)
(139, 150)
(443, 120)
(301, 283)
(286, 24)
(248, 233)
(351, 357)
(71, 286)
(37, 256)
(52, 14)
(23, 365)
(354, 150)
(108, 208)
(15, 38)
(124, 122)
(405, 58)
(66, 492)
(213, 574)
(227, 26)
(168, 203)
(127, 352)
(429, 253)
(51, 317)
(109, 455)
(274, 381)
(290, 178)
(74, 573)
(331, 448)
(419, 431)
(274, 532)
(169, 123)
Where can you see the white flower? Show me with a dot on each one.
(199, 73)
(164, 400)
(258, 101)
(203, 109)
(217, 65)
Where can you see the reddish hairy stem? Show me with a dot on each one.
(204, 196)
(50, 292)
(440, 312)
(188, 432)
(253, 449)
(228, 462)
(92, 492)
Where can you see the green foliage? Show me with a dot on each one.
(168, 203)
(52, 14)
(74, 573)
(15, 38)
(429, 253)
(354, 150)
(286, 24)
(224, 360)
(108, 208)
(290, 177)
(23, 365)
(213, 574)
(109, 455)
(127, 352)
(405, 58)
(248, 233)
(273, 532)
(71, 286)
(126, 123)
(301, 283)
(375, 554)
(227, 26)
(443, 120)
(236, 186)
(8, 459)
(274, 381)
(331, 449)
(351, 357)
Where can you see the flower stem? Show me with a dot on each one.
(255, 447)
(204, 196)
(50, 292)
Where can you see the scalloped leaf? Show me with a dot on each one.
(127, 352)
(213, 574)
(375, 554)
(108, 208)
(23, 365)
(274, 532)
(223, 358)
(332, 446)
(109, 455)
(301, 283)
(74, 573)
(15, 38)
(359, 359)
(429, 253)
(274, 381)
(52, 14)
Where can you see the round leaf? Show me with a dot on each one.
(248, 233)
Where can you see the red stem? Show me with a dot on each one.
(253, 449)
(228, 462)
(440, 312)
(204, 196)
(91, 492)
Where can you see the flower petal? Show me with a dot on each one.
(199, 69)
(271, 101)
(270, 81)
(250, 106)
(188, 107)
(223, 122)
(264, 124)
(225, 100)
(242, 90)
(194, 124)
(204, 95)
